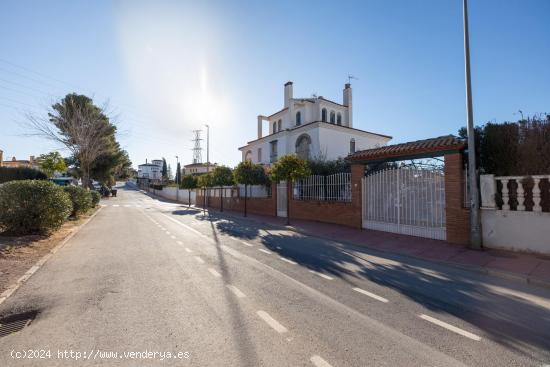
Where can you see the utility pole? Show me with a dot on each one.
(178, 174)
(207, 148)
(475, 220)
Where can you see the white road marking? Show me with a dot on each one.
(168, 233)
(272, 322)
(188, 250)
(116, 205)
(127, 205)
(450, 327)
(236, 291)
(214, 273)
(288, 261)
(321, 275)
(371, 295)
(199, 260)
(319, 362)
(161, 227)
(246, 244)
(179, 242)
(265, 251)
(173, 237)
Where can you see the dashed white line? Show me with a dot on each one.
(321, 275)
(371, 295)
(272, 322)
(450, 327)
(168, 233)
(173, 237)
(246, 244)
(319, 362)
(116, 205)
(188, 250)
(288, 261)
(265, 251)
(236, 291)
(214, 273)
(179, 242)
(199, 260)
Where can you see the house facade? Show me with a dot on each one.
(151, 172)
(14, 162)
(199, 168)
(312, 128)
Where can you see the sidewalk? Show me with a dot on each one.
(529, 268)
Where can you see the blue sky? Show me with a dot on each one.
(168, 67)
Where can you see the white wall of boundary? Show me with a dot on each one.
(179, 195)
(514, 224)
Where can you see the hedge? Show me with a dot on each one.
(96, 196)
(32, 207)
(20, 173)
(81, 199)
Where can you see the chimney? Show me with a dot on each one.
(288, 93)
(347, 101)
(31, 160)
(260, 121)
(1, 157)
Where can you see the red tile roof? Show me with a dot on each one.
(410, 149)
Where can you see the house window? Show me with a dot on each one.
(273, 151)
(298, 118)
(274, 127)
(259, 155)
(332, 117)
(247, 156)
(352, 146)
(339, 118)
(324, 115)
(303, 144)
(280, 125)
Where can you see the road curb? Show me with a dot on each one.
(476, 269)
(8, 292)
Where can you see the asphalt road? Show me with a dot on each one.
(146, 277)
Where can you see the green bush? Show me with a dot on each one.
(81, 199)
(96, 196)
(20, 173)
(32, 207)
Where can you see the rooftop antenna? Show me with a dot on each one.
(350, 77)
(197, 150)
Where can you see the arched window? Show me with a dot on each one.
(352, 146)
(298, 118)
(248, 156)
(324, 115)
(332, 117)
(274, 127)
(303, 144)
(339, 118)
(280, 125)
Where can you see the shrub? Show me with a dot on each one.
(20, 173)
(96, 196)
(81, 199)
(32, 207)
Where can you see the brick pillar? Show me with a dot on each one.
(457, 216)
(357, 174)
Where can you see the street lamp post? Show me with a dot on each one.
(178, 173)
(475, 222)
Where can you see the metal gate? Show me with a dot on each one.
(405, 200)
(281, 199)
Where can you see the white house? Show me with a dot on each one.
(311, 128)
(150, 171)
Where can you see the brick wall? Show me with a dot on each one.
(457, 217)
(260, 206)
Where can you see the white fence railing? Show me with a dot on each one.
(516, 193)
(336, 187)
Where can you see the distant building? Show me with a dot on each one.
(14, 162)
(150, 172)
(310, 128)
(196, 169)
